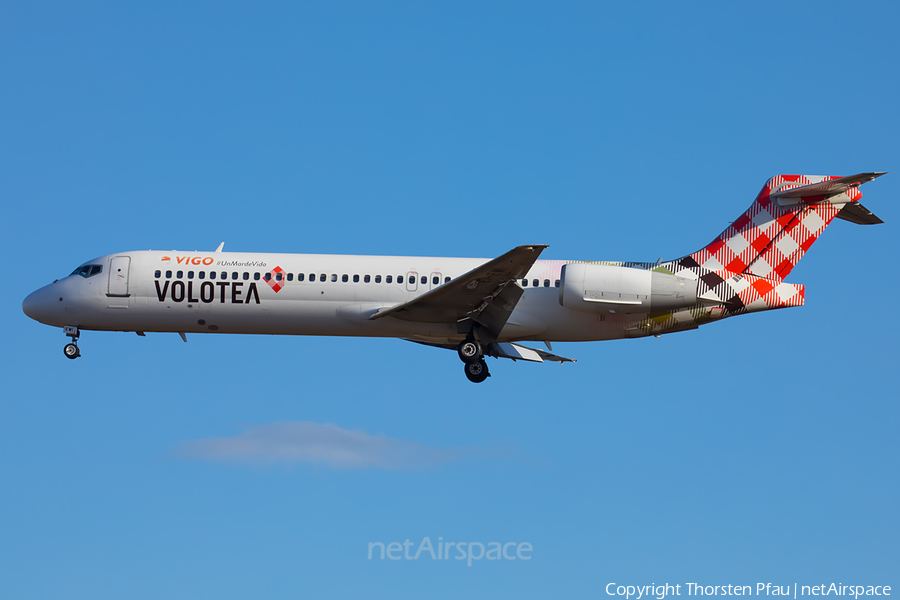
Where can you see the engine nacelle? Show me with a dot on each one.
(604, 288)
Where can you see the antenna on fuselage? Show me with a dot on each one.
(219, 249)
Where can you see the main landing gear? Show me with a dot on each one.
(477, 371)
(470, 353)
(71, 350)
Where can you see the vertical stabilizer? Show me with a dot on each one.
(786, 218)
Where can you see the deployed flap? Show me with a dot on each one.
(859, 214)
(509, 350)
(829, 187)
(483, 294)
(517, 352)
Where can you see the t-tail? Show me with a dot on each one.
(745, 266)
(788, 215)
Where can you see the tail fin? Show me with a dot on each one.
(786, 218)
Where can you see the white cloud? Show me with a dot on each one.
(321, 444)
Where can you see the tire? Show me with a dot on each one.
(469, 351)
(477, 371)
(71, 351)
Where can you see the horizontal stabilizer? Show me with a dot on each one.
(859, 214)
(829, 187)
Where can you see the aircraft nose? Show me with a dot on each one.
(30, 305)
(38, 305)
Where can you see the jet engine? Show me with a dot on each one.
(604, 288)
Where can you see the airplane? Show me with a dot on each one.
(477, 307)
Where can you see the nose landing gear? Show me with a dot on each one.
(71, 350)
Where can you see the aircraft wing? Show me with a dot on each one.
(484, 294)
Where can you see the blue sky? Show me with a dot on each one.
(759, 449)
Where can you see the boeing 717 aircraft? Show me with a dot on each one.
(477, 307)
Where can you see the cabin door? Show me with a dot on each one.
(118, 276)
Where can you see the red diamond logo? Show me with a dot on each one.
(275, 279)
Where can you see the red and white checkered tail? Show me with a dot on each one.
(786, 218)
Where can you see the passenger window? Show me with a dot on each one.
(246, 276)
(446, 280)
(290, 276)
(223, 275)
(279, 276)
(300, 277)
(267, 277)
(256, 276)
(546, 283)
(435, 280)
(399, 278)
(387, 279)
(323, 277)
(524, 283)
(234, 275)
(179, 275)
(168, 274)
(201, 274)
(535, 282)
(190, 274)
(212, 275)
(345, 278)
(556, 284)
(158, 274)
(356, 279)
(377, 278)
(334, 277)
(424, 279)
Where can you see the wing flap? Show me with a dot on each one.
(517, 352)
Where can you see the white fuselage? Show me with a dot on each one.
(190, 292)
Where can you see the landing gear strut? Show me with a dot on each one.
(477, 371)
(71, 350)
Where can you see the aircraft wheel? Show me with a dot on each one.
(71, 351)
(469, 351)
(477, 371)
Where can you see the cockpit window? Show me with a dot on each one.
(88, 270)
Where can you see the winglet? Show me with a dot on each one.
(219, 249)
